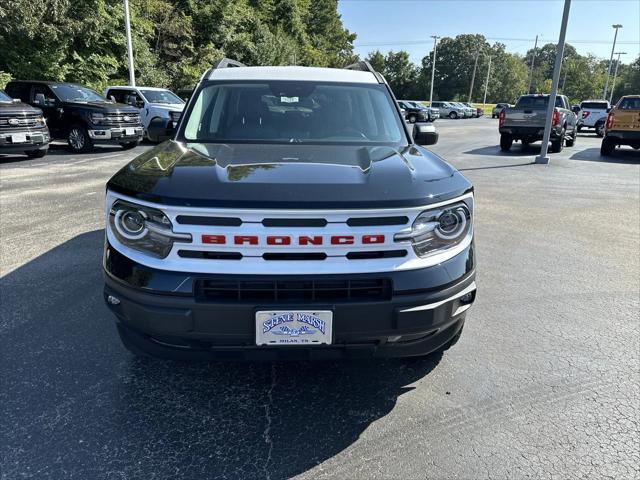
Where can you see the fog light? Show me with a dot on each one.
(468, 297)
(394, 338)
(113, 300)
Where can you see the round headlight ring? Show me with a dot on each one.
(451, 224)
(131, 224)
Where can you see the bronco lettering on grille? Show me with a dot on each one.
(302, 240)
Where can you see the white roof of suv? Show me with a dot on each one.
(314, 74)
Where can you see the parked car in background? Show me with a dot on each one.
(184, 93)
(498, 108)
(526, 122)
(468, 111)
(80, 115)
(593, 114)
(413, 113)
(152, 103)
(478, 111)
(432, 113)
(623, 125)
(23, 129)
(449, 109)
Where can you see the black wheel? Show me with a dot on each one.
(505, 142)
(78, 139)
(600, 128)
(493, 116)
(607, 147)
(525, 143)
(453, 115)
(579, 128)
(571, 141)
(412, 119)
(558, 143)
(37, 153)
(129, 145)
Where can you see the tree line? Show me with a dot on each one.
(174, 41)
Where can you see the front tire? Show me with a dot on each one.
(78, 139)
(505, 142)
(412, 119)
(607, 147)
(572, 141)
(37, 153)
(453, 115)
(600, 128)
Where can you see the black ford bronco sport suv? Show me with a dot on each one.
(22, 128)
(293, 213)
(80, 115)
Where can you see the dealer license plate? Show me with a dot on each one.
(18, 137)
(129, 131)
(294, 327)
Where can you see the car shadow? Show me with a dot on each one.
(620, 155)
(79, 406)
(517, 150)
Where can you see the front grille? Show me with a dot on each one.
(121, 119)
(18, 121)
(291, 291)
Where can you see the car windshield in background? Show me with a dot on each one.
(536, 102)
(630, 104)
(294, 112)
(161, 96)
(418, 105)
(4, 97)
(76, 93)
(594, 105)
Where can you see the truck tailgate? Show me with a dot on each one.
(516, 117)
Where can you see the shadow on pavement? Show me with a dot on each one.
(79, 406)
(620, 155)
(517, 150)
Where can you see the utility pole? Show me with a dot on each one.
(127, 27)
(433, 65)
(615, 74)
(566, 70)
(473, 76)
(486, 84)
(543, 157)
(533, 61)
(615, 37)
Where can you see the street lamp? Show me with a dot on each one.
(615, 74)
(615, 36)
(127, 27)
(433, 66)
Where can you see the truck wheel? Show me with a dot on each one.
(558, 142)
(37, 153)
(412, 119)
(572, 140)
(78, 139)
(579, 128)
(505, 142)
(129, 145)
(607, 147)
(453, 115)
(600, 128)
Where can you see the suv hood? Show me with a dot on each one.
(288, 176)
(17, 108)
(104, 107)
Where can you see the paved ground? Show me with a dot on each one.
(543, 384)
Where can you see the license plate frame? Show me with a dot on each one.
(19, 137)
(293, 328)
(129, 132)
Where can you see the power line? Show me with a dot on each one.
(506, 39)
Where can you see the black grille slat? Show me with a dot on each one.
(209, 221)
(377, 221)
(210, 255)
(295, 256)
(294, 222)
(288, 291)
(365, 255)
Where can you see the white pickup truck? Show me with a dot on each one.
(153, 103)
(593, 114)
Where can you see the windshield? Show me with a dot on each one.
(595, 105)
(4, 97)
(418, 105)
(76, 93)
(161, 96)
(537, 102)
(287, 112)
(630, 104)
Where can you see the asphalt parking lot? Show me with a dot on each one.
(544, 383)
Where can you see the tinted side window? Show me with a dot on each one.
(45, 90)
(19, 90)
(630, 104)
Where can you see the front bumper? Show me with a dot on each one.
(114, 135)
(530, 133)
(624, 137)
(426, 309)
(35, 139)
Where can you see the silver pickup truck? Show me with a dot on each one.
(525, 122)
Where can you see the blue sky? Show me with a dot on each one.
(408, 24)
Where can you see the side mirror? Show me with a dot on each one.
(575, 108)
(161, 129)
(15, 100)
(140, 104)
(112, 98)
(425, 135)
(40, 100)
(131, 100)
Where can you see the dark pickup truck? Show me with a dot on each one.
(22, 128)
(80, 115)
(293, 213)
(526, 121)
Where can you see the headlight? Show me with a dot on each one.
(143, 228)
(97, 117)
(439, 229)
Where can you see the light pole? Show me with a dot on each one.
(433, 66)
(543, 158)
(486, 84)
(533, 61)
(127, 27)
(615, 36)
(615, 74)
(473, 76)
